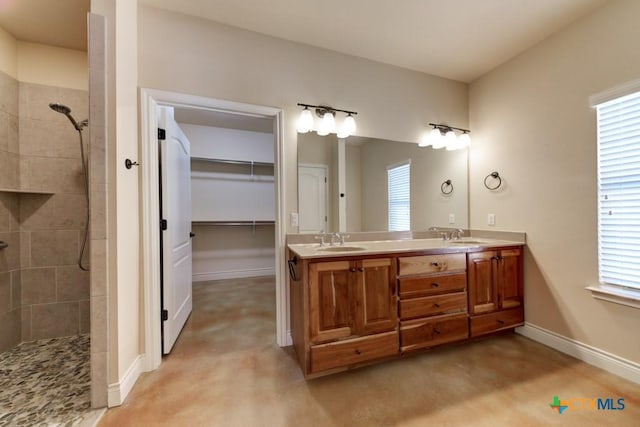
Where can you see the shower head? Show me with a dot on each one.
(63, 109)
(60, 108)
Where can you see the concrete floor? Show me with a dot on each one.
(226, 370)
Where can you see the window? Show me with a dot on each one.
(618, 123)
(398, 178)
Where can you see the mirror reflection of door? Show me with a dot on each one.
(312, 198)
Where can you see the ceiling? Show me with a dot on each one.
(61, 23)
(456, 39)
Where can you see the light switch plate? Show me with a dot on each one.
(452, 218)
(294, 219)
(491, 219)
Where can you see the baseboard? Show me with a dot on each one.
(118, 392)
(234, 274)
(624, 368)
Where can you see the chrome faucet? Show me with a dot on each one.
(444, 233)
(321, 237)
(457, 234)
(338, 236)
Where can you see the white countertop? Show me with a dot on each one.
(313, 250)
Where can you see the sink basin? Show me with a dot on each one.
(342, 249)
(465, 242)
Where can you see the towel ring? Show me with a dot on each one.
(446, 184)
(494, 175)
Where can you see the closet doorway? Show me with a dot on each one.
(236, 157)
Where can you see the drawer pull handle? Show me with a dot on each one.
(436, 305)
(358, 352)
(436, 331)
(436, 264)
(435, 285)
(500, 321)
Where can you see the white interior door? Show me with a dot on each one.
(312, 199)
(175, 165)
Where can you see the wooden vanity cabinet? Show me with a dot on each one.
(352, 312)
(433, 300)
(495, 290)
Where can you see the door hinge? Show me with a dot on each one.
(162, 134)
(163, 224)
(165, 315)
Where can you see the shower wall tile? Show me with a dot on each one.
(98, 211)
(53, 174)
(52, 212)
(72, 284)
(38, 286)
(9, 212)
(10, 257)
(10, 332)
(8, 94)
(99, 324)
(25, 250)
(85, 318)
(26, 323)
(16, 289)
(35, 99)
(54, 248)
(98, 267)
(13, 131)
(5, 292)
(99, 384)
(49, 138)
(4, 131)
(54, 320)
(98, 158)
(9, 170)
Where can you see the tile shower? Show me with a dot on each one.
(43, 293)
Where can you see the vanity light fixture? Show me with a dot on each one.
(327, 123)
(444, 136)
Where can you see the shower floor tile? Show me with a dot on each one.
(45, 382)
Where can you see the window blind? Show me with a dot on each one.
(399, 190)
(619, 191)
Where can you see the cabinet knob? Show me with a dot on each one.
(361, 269)
(436, 305)
(435, 285)
(500, 321)
(353, 270)
(358, 352)
(436, 263)
(436, 331)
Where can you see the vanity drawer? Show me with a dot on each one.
(353, 351)
(429, 306)
(505, 319)
(411, 287)
(420, 333)
(412, 265)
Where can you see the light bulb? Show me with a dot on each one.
(327, 124)
(305, 121)
(437, 140)
(425, 141)
(451, 141)
(464, 140)
(348, 127)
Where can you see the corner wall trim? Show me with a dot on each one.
(119, 391)
(616, 365)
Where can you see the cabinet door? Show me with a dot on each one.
(376, 296)
(510, 278)
(483, 292)
(330, 301)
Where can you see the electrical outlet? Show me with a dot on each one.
(452, 218)
(491, 219)
(293, 216)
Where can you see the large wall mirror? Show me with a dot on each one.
(343, 184)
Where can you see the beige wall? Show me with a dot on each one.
(531, 121)
(8, 54)
(52, 66)
(194, 56)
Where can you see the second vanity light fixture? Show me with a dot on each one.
(328, 120)
(444, 136)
